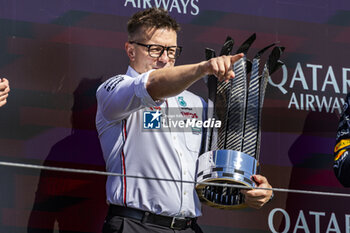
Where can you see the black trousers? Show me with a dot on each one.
(117, 224)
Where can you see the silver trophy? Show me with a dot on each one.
(230, 154)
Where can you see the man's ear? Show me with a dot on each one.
(130, 51)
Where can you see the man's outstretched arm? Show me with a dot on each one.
(167, 82)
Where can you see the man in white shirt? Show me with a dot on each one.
(154, 85)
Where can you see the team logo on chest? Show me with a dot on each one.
(181, 101)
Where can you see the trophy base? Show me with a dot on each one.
(226, 167)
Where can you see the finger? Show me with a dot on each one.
(6, 81)
(3, 86)
(214, 67)
(3, 97)
(230, 74)
(221, 68)
(255, 205)
(244, 191)
(7, 90)
(256, 202)
(259, 179)
(236, 57)
(255, 199)
(4, 92)
(257, 193)
(228, 68)
(256, 196)
(2, 103)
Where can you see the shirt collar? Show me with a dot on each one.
(131, 72)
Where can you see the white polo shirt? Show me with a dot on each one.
(130, 149)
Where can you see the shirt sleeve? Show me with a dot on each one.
(122, 95)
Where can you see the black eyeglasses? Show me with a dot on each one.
(156, 50)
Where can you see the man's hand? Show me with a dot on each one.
(222, 67)
(4, 90)
(256, 198)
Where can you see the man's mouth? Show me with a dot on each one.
(159, 67)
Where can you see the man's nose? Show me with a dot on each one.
(164, 57)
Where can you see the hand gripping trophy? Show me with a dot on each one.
(231, 152)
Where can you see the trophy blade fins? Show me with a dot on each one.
(212, 85)
(246, 44)
(212, 80)
(264, 78)
(221, 109)
(252, 111)
(218, 137)
(260, 53)
(256, 93)
(209, 53)
(237, 100)
(272, 62)
(228, 46)
(248, 66)
(278, 65)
